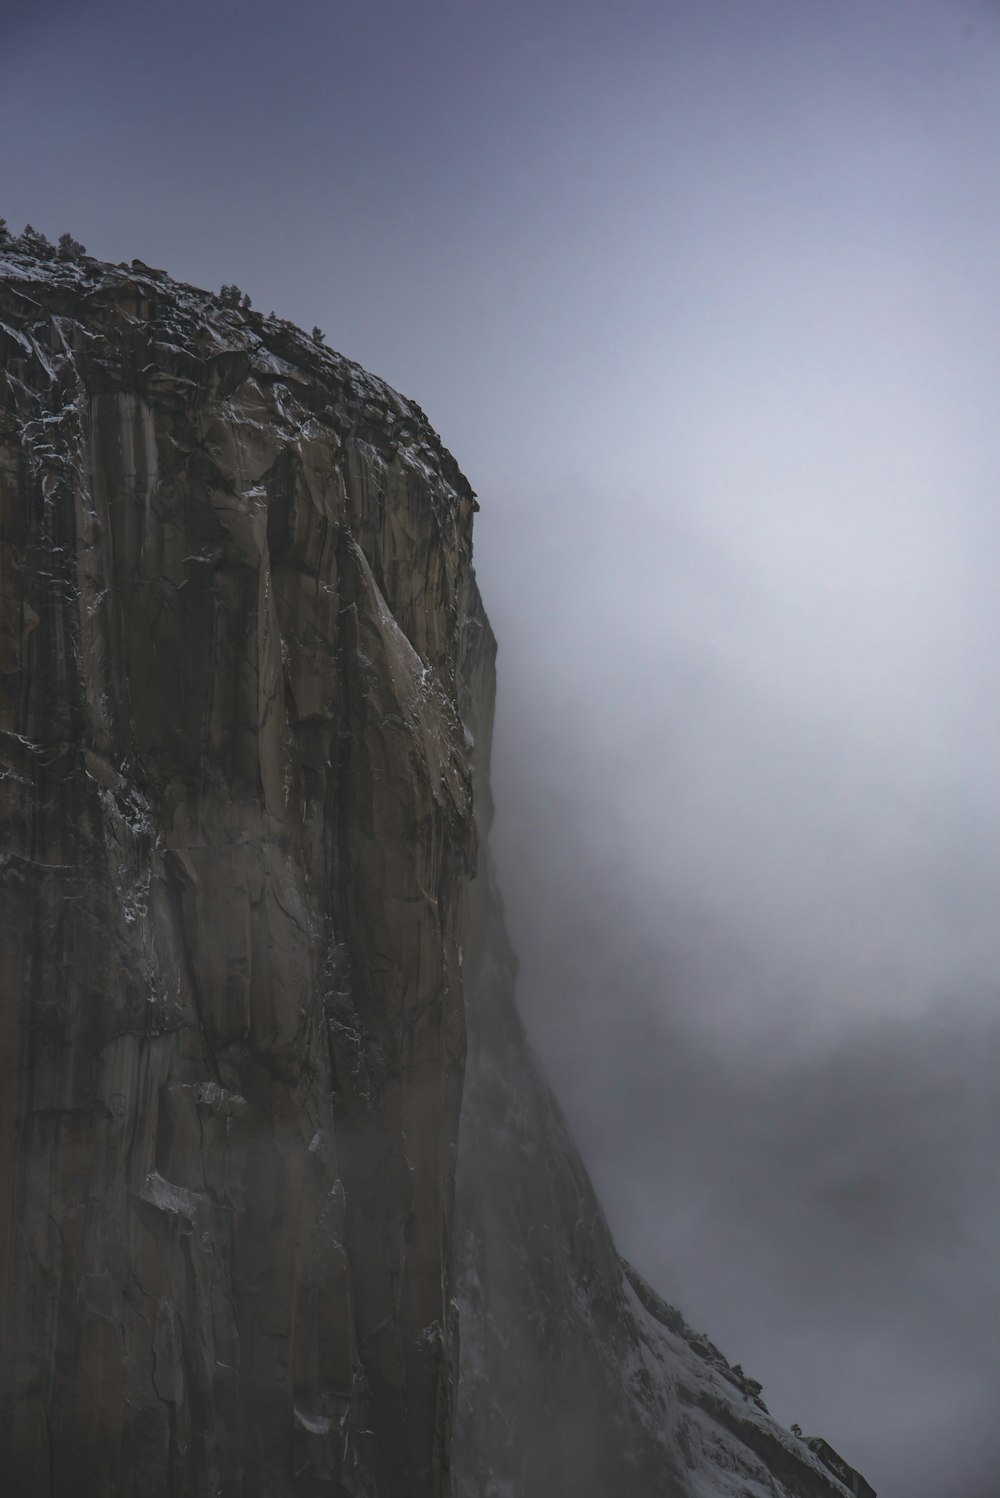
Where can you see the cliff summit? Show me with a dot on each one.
(288, 1207)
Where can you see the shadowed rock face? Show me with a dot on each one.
(246, 689)
(237, 837)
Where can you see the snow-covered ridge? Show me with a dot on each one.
(721, 1402)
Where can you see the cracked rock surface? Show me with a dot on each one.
(246, 687)
(237, 837)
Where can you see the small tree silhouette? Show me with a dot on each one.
(37, 243)
(230, 295)
(796, 1431)
(70, 248)
(318, 335)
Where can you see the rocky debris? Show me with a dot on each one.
(246, 913)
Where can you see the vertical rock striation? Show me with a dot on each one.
(246, 688)
(236, 838)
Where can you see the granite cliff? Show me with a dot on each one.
(287, 1207)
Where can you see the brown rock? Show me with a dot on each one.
(237, 831)
(246, 692)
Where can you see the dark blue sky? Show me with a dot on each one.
(705, 297)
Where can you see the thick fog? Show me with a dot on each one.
(705, 297)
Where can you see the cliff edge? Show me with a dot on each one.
(248, 933)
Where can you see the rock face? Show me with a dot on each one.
(238, 836)
(245, 700)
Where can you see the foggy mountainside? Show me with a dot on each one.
(289, 1207)
(703, 295)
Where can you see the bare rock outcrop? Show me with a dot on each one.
(249, 931)
(237, 835)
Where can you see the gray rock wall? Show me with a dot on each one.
(237, 835)
(246, 698)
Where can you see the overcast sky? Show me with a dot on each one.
(705, 297)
